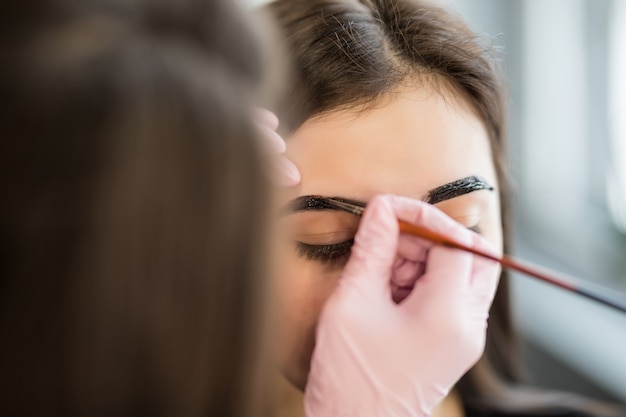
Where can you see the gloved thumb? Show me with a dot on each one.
(375, 247)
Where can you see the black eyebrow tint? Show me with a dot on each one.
(316, 202)
(457, 188)
(437, 195)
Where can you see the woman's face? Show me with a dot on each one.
(410, 143)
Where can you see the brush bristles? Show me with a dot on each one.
(342, 205)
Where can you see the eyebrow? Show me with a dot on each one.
(457, 188)
(316, 203)
(436, 195)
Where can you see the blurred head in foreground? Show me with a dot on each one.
(133, 199)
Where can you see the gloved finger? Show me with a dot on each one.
(445, 281)
(286, 173)
(410, 265)
(441, 261)
(413, 248)
(404, 277)
(267, 118)
(374, 249)
(273, 141)
(423, 214)
(448, 267)
(485, 272)
(406, 272)
(447, 271)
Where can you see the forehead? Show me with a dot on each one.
(408, 144)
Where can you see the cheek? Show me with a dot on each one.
(302, 289)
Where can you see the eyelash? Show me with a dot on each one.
(330, 254)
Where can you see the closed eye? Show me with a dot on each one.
(336, 253)
(329, 254)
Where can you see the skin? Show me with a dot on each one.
(411, 141)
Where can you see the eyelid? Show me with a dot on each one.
(326, 238)
(463, 217)
(327, 254)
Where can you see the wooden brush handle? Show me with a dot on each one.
(543, 274)
(505, 261)
(440, 239)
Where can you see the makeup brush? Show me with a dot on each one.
(543, 274)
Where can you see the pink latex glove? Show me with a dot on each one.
(376, 357)
(286, 174)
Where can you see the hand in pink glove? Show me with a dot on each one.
(287, 174)
(376, 357)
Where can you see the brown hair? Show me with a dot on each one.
(348, 53)
(133, 206)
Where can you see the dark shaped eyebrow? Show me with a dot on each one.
(457, 188)
(436, 195)
(316, 203)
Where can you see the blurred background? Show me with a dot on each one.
(565, 61)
